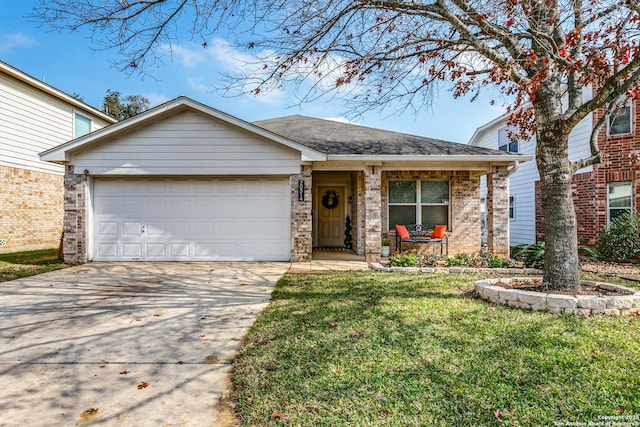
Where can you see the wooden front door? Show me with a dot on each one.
(330, 209)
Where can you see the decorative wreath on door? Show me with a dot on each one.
(330, 199)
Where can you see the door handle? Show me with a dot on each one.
(142, 229)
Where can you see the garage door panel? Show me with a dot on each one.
(155, 207)
(190, 219)
(178, 228)
(132, 250)
(156, 229)
(131, 229)
(107, 251)
(157, 188)
(227, 187)
(107, 228)
(205, 251)
(201, 207)
(206, 229)
(179, 208)
(179, 250)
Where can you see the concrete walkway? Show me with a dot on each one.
(126, 344)
(324, 261)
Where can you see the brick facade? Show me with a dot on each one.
(618, 164)
(369, 226)
(75, 217)
(498, 211)
(372, 213)
(30, 210)
(464, 210)
(301, 217)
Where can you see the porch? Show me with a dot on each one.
(355, 210)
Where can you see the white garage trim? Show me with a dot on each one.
(240, 219)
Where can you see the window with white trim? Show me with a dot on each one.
(618, 199)
(504, 143)
(81, 125)
(620, 121)
(512, 207)
(418, 201)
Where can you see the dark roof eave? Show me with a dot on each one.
(507, 158)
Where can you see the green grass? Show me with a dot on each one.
(25, 264)
(378, 349)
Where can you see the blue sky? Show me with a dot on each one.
(70, 62)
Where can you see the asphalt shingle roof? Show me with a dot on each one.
(335, 138)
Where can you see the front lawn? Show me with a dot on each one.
(24, 264)
(367, 349)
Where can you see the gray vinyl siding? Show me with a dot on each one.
(188, 143)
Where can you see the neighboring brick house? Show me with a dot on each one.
(35, 117)
(600, 191)
(186, 182)
(610, 187)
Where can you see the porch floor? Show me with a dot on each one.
(326, 260)
(337, 255)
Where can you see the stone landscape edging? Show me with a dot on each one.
(586, 305)
(457, 270)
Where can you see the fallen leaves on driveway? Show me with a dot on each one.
(89, 413)
(142, 385)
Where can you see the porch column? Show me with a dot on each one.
(301, 220)
(498, 211)
(373, 208)
(75, 218)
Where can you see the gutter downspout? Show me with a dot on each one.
(513, 169)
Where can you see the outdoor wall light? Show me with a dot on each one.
(350, 200)
(301, 190)
(86, 171)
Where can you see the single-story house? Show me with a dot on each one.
(184, 181)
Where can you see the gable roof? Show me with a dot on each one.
(340, 139)
(52, 91)
(60, 153)
(475, 138)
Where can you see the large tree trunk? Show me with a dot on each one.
(561, 263)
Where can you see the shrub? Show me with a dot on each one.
(532, 254)
(404, 260)
(620, 239)
(497, 262)
(458, 259)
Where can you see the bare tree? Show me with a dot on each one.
(545, 53)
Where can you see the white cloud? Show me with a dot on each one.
(221, 57)
(198, 84)
(339, 119)
(9, 42)
(156, 99)
(189, 58)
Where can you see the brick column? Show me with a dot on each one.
(301, 219)
(360, 225)
(498, 211)
(373, 208)
(75, 217)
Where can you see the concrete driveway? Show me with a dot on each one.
(126, 344)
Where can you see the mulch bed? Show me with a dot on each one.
(535, 285)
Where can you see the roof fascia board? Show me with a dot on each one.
(479, 131)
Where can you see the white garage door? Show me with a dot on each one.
(191, 220)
